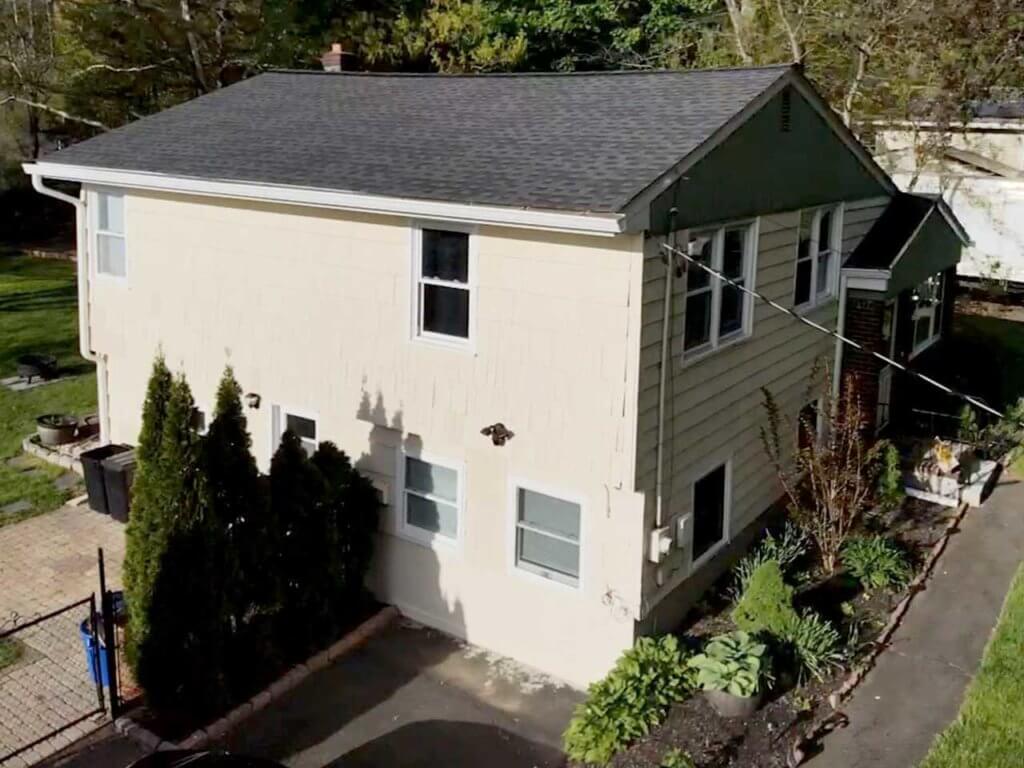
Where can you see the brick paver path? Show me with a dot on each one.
(48, 562)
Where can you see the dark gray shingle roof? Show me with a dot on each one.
(584, 142)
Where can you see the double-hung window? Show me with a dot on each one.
(443, 292)
(303, 427)
(927, 315)
(432, 499)
(819, 249)
(716, 311)
(547, 536)
(111, 256)
(710, 512)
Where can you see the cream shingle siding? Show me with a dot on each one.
(311, 308)
(714, 406)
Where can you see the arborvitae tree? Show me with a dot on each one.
(144, 535)
(352, 505)
(180, 658)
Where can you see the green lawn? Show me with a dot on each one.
(989, 733)
(38, 313)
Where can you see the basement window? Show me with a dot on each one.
(443, 270)
(432, 499)
(718, 312)
(711, 501)
(548, 536)
(111, 258)
(819, 251)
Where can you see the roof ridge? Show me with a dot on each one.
(496, 75)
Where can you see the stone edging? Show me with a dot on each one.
(149, 741)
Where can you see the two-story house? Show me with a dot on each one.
(398, 262)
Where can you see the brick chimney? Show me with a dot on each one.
(331, 60)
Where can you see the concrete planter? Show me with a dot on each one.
(728, 705)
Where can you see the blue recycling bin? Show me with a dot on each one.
(90, 643)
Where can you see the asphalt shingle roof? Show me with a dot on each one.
(582, 142)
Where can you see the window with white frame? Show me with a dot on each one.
(717, 312)
(818, 256)
(111, 256)
(927, 314)
(432, 498)
(200, 421)
(443, 284)
(303, 427)
(548, 536)
(710, 507)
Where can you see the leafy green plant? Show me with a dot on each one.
(876, 562)
(767, 603)
(676, 758)
(890, 480)
(785, 549)
(735, 663)
(815, 645)
(633, 698)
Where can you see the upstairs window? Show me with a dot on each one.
(818, 256)
(443, 290)
(927, 315)
(110, 246)
(718, 312)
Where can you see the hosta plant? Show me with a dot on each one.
(735, 663)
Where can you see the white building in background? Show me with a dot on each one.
(981, 176)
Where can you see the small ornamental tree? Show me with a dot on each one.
(832, 480)
(144, 539)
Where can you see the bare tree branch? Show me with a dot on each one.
(111, 68)
(739, 27)
(794, 43)
(53, 111)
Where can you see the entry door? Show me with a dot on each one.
(884, 397)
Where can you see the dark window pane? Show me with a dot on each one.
(922, 330)
(548, 553)
(701, 247)
(431, 478)
(549, 514)
(807, 428)
(432, 516)
(732, 310)
(825, 231)
(698, 320)
(824, 265)
(732, 258)
(446, 255)
(802, 294)
(446, 310)
(303, 428)
(708, 511)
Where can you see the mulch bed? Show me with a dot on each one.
(763, 740)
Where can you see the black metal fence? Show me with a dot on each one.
(49, 692)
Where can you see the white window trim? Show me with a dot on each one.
(716, 342)
(207, 415)
(531, 573)
(415, 534)
(706, 470)
(835, 263)
(94, 226)
(934, 313)
(279, 418)
(416, 268)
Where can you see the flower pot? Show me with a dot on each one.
(728, 705)
(56, 428)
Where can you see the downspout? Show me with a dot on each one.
(837, 369)
(666, 332)
(84, 319)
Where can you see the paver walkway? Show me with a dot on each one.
(48, 562)
(916, 688)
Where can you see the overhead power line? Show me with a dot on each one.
(828, 332)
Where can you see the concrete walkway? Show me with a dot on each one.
(916, 688)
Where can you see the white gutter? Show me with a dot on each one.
(608, 224)
(860, 279)
(84, 319)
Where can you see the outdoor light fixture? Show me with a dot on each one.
(499, 433)
(252, 400)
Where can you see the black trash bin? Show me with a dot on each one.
(92, 468)
(118, 473)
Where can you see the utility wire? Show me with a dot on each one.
(818, 327)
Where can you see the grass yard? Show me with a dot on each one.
(38, 313)
(989, 733)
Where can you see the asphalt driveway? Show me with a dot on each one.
(414, 697)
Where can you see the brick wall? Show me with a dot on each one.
(860, 369)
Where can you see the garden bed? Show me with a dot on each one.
(763, 740)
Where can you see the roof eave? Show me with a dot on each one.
(579, 222)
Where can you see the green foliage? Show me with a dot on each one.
(767, 603)
(786, 550)
(877, 562)
(633, 698)
(676, 758)
(815, 645)
(11, 650)
(890, 480)
(968, 431)
(734, 663)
